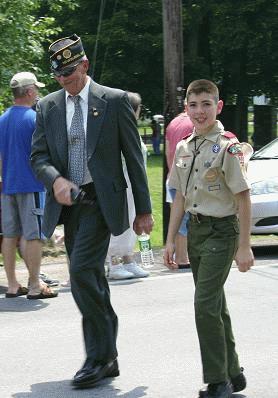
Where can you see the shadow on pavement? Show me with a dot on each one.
(21, 304)
(59, 389)
(3, 289)
(265, 251)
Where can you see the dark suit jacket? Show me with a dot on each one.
(111, 129)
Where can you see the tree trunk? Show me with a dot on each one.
(173, 57)
(173, 79)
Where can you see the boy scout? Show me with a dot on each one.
(209, 174)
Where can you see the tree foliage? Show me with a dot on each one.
(231, 42)
(23, 31)
(234, 44)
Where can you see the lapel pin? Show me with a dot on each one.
(95, 112)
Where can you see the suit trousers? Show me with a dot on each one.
(212, 243)
(87, 239)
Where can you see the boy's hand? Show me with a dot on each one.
(244, 259)
(169, 256)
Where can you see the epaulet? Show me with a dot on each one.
(230, 135)
(187, 135)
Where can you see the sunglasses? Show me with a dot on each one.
(66, 71)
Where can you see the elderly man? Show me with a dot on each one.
(81, 132)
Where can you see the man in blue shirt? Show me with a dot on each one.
(22, 198)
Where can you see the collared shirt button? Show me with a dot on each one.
(195, 188)
(196, 170)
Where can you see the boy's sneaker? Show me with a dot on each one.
(218, 390)
(239, 382)
(136, 270)
(119, 272)
(48, 281)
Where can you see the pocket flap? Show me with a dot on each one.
(37, 212)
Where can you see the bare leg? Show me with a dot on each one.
(181, 255)
(9, 256)
(32, 257)
(22, 249)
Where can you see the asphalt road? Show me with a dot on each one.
(41, 342)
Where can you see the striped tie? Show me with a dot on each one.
(76, 144)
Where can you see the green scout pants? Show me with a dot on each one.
(212, 243)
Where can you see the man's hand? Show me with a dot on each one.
(62, 190)
(244, 259)
(143, 223)
(169, 256)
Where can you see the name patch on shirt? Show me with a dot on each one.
(215, 187)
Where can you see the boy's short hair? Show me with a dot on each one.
(201, 86)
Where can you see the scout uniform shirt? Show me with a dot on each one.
(209, 170)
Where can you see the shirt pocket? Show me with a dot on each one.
(184, 161)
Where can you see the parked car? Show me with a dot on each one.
(263, 175)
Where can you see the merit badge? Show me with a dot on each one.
(215, 148)
(211, 175)
(67, 53)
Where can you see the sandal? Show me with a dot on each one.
(45, 293)
(21, 291)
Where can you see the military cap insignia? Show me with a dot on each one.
(66, 53)
(54, 64)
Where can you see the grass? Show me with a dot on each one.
(155, 173)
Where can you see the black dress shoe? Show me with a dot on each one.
(89, 375)
(218, 390)
(239, 382)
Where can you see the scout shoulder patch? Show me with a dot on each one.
(235, 149)
(229, 134)
(187, 135)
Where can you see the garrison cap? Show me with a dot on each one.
(66, 52)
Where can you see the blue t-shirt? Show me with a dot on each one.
(17, 125)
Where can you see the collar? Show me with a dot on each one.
(83, 93)
(212, 135)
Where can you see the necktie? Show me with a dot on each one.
(76, 144)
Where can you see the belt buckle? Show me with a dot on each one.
(195, 218)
